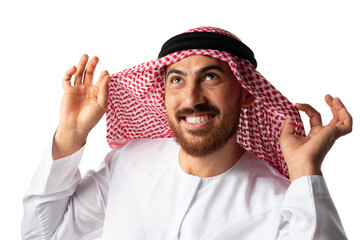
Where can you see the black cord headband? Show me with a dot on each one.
(207, 40)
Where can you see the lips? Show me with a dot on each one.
(197, 121)
(197, 117)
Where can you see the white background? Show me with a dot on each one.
(305, 48)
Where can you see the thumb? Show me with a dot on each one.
(288, 127)
(287, 134)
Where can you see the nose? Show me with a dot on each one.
(194, 95)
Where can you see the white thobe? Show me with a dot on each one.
(141, 192)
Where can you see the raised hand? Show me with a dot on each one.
(304, 155)
(82, 106)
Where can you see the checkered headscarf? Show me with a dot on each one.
(137, 104)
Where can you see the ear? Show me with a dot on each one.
(247, 98)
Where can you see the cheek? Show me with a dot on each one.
(231, 99)
(169, 103)
(172, 98)
(227, 95)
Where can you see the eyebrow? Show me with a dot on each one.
(175, 71)
(201, 71)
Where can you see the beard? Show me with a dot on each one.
(207, 140)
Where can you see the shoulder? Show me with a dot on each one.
(139, 154)
(263, 179)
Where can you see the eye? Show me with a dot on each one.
(210, 76)
(176, 80)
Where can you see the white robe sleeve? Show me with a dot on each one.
(309, 212)
(61, 205)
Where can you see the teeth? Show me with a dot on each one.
(195, 120)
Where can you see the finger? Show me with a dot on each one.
(315, 117)
(329, 99)
(80, 69)
(338, 110)
(66, 82)
(345, 126)
(103, 90)
(89, 71)
(341, 117)
(338, 104)
(103, 74)
(330, 102)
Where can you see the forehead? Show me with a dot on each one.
(196, 62)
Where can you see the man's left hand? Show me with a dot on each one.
(304, 155)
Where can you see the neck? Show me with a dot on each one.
(213, 164)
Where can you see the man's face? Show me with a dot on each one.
(203, 101)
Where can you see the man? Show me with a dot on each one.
(222, 177)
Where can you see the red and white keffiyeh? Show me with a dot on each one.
(136, 106)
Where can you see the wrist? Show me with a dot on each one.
(67, 141)
(303, 170)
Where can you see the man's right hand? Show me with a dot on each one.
(82, 106)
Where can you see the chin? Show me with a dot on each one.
(201, 143)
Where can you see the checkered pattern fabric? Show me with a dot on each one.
(137, 105)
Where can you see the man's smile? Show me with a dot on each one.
(196, 121)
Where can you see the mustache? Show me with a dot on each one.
(201, 108)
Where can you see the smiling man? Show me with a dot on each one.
(203, 99)
(204, 148)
